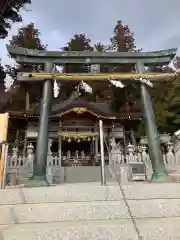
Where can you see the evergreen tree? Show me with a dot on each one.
(123, 41)
(2, 73)
(173, 105)
(27, 37)
(79, 42)
(9, 12)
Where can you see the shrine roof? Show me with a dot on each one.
(101, 108)
(98, 109)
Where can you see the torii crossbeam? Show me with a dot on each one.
(139, 59)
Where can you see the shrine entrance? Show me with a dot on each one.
(78, 148)
(77, 153)
(141, 61)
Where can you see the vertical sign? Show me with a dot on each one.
(3, 137)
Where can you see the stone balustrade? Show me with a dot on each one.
(139, 154)
(23, 166)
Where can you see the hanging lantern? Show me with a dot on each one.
(89, 139)
(78, 140)
(69, 140)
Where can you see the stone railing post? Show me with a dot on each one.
(170, 156)
(144, 154)
(49, 163)
(146, 160)
(30, 158)
(120, 157)
(130, 156)
(14, 157)
(139, 154)
(14, 167)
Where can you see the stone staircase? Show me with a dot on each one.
(89, 211)
(85, 174)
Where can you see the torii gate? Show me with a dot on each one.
(139, 59)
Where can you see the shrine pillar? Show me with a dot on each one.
(159, 172)
(60, 149)
(101, 134)
(60, 145)
(113, 130)
(96, 146)
(42, 141)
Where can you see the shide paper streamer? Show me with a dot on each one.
(57, 86)
(174, 65)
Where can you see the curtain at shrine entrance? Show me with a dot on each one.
(78, 141)
(74, 146)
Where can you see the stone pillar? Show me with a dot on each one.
(60, 149)
(27, 101)
(93, 145)
(113, 130)
(42, 141)
(30, 159)
(159, 172)
(96, 147)
(101, 133)
(60, 144)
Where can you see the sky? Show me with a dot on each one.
(155, 23)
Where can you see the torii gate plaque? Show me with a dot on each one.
(139, 59)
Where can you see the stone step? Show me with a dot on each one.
(175, 177)
(62, 212)
(152, 190)
(85, 174)
(89, 192)
(88, 230)
(63, 193)
(90, 211)
(155, 208)
(156, 229)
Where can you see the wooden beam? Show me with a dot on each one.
(24, 77)
(98, 60)
(85, 57)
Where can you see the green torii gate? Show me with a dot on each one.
(139, 59)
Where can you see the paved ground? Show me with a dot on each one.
(90, 211)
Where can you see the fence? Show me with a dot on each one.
(22, 166)
(137, 155)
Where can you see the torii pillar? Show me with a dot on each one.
(156, 157)
(42, 141)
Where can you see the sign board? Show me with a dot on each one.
(138, 171)
(3, 137)
(95, 68)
